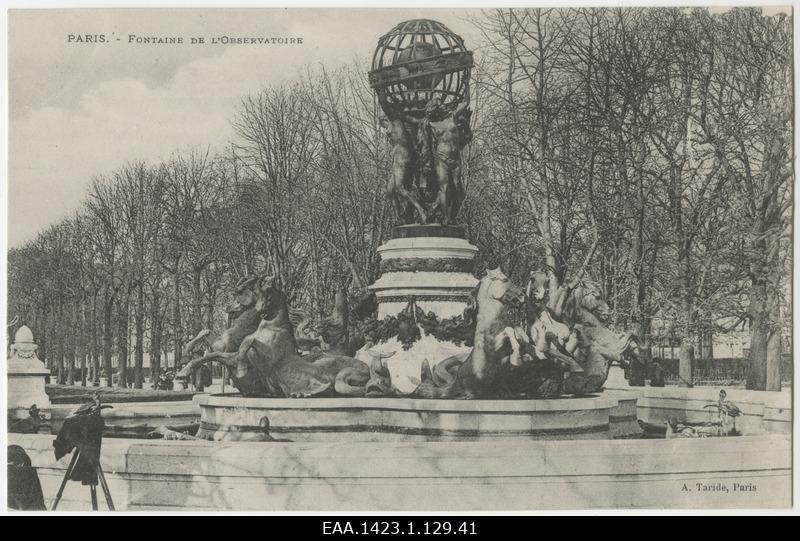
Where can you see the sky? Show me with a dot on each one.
(78, 109)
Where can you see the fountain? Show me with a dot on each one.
(439, 333)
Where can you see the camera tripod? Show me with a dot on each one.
(92, 487)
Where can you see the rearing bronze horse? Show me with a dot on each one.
(267, 362)
(496, 344)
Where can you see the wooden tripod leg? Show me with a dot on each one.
(66, 478)
(93, 490)
(104, 484)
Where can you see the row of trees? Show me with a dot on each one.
(662, 139)
(649, 148)
(150, 257)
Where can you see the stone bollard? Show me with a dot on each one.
(28, 403)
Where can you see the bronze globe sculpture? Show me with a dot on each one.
(420, 74)
(416, 61)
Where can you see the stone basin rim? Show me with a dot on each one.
(567, 405)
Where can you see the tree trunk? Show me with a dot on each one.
(707, 352)
(774, 350)
(197, 301)
(60, 346)
(757, 375)
(44, 335)
(122, 342)
(70, 378)
(72, 355)
(138, 355)
(80, 350)
(643, 280)
(156, 326)
(108, 369)
(686, 354)
(765, 342)
(686, 363)
(95, 349)
(176, 320)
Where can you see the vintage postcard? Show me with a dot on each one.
(359, 259)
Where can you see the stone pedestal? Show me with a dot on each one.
(26, 380)
(432, 265)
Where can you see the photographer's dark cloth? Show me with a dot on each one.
(24, 488)
(86, 433)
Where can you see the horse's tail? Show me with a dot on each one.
(630, 348)
(227, 359)
(352, 380)
(428, 388)
(444, 373)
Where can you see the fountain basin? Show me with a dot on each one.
(344, 469)
(761, 411)
(432, 476)
(230, 417)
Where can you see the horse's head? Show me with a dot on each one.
(589, 297)
(244, 297)
(538, 284)
(269, 299)
(497, 286)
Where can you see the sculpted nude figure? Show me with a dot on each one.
(450, 135)
(400, 189)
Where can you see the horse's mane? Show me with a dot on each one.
(576, 296)
(297, 316)
(277, 304)
(245, 282)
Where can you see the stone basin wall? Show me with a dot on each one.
(235, 418)
(750, 472)
(762, 411)
(136, 413)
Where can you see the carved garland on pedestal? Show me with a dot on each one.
(407, 326)
(426, 298)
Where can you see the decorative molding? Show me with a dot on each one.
(409, 264)
(430, 230)
(427, 247)
(422, 298)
